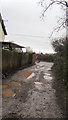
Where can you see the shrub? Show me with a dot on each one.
(60, 67)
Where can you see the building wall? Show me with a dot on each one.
(2, 36)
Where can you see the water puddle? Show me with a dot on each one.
(47, 78)
(47, 74)
(27, 73)
(38, 85)
(3, 86)
(15, 84)
(8, 93)
(32, 75)
(48, 69)
(42, 68)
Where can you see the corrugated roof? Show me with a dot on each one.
(12, 45)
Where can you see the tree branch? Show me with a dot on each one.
(62, 21)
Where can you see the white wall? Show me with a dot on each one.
(2, 36)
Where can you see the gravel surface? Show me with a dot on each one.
(35, 97)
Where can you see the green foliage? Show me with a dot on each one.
(46, 57)
(60, 67)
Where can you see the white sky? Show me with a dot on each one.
(24, 19)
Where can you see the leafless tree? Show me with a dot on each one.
(63, 21)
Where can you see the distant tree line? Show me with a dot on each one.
(46, 57)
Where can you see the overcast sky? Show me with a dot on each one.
(25, 27)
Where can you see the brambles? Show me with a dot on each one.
(60, 67)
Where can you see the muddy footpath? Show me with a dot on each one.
(30, 93)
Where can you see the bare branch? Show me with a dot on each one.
(62, 22)
(52, 2)
(58, 28)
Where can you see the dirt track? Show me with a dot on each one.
(32, 95)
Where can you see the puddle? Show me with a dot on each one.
(42, 68)
(38, 83)
(47, 74)
(41, 64)
(15, 84)
(47, 77)
(27, 73)
(8, 93)
(48, 69)
(32, 75)
(39, 87)
(3, 86)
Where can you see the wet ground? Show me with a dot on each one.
(29, 93)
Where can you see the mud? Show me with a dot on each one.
(3, 86)
(27, 73)
(7, 93)
(15, 84)
(35, 97)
